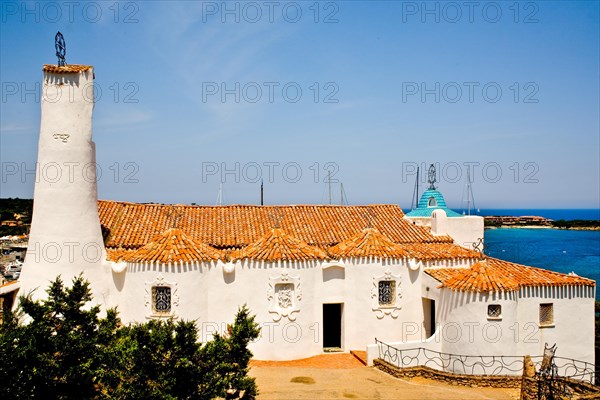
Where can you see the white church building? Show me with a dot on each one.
(317, 277)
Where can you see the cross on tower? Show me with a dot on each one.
(61, 48)
(431, 177)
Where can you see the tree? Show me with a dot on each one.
(59, 352)
(66, 351)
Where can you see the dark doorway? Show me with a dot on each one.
(429, 316)
(332, 325)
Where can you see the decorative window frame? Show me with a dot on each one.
(492, 317)
(276, 297)
(392, 310)
(160, 281)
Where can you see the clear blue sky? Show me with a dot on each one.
(398, 85)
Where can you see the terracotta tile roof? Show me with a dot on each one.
(438, 251)
(173, 246)
(492, 274)
(132, 225)
(277, 245)
(368, 243)
(118, 254)
(55, 69)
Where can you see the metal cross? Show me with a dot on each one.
(431, 177)
(61, 48)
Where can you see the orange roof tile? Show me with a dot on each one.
(277, 245)
(439, 251)
(174, 246)
(368, 243)
(118, 254)
(132, 225)
(493, 274)
(65, 69)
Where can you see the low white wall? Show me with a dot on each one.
(464, 327)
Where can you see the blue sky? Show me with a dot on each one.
(509, 88)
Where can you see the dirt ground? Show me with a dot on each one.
(348, 380)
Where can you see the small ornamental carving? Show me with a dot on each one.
(284, 295)
(386, 295)
(63, 137)
(161, 298)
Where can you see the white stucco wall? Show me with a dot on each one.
(464, 327)
(464, 230)
(65, 237)
(211, 297)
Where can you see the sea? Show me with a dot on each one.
(554, 249)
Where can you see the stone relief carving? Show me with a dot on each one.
(63, 137)
(386, 295)
(284, 295)
(159, 287)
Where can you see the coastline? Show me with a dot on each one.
(576, 228)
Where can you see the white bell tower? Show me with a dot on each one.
(65, 237)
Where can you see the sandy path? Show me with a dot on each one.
(365, 383)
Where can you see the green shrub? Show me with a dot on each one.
(65, 350)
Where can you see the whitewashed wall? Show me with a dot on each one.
(211, 297)
(464, 230)
(65, 237)
(465, 328)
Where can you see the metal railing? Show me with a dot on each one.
(479, 365)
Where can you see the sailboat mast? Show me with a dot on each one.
(329, 184)
(343, 198)
(415, 199)
(220, 195)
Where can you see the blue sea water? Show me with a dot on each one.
(557, 250)
(555, 214)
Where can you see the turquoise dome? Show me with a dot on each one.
(431, 200)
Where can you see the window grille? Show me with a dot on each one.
(387, 292)
(546, 314)
(161, 299)
(494, 311)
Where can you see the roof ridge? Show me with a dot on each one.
(251, 205)
(275, 245)
(368, 242)
(494, 274)
(174, 246)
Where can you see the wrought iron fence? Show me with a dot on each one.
(479, 365)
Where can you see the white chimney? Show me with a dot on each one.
(65, 237)
(438, 223)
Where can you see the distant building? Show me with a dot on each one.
(318, 277)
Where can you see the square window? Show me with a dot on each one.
(161, 299)
(387, 293)
(494, 311)
(546, 314)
